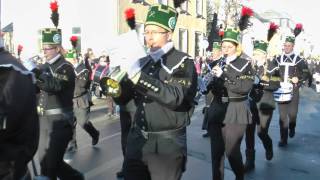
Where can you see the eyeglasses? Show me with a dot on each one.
(147, 33)
(47, 49)
(227, 47)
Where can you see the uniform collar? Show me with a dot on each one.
(156, 55)
(289, 55)
(53, 60)
(229, 59)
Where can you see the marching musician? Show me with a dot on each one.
(163, 92)
(262, 108)
(293, 71)
(81, 97)
(229, 113)
(55, 107)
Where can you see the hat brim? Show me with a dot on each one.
(230, 40)
(158, 24)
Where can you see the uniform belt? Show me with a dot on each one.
(234, 99)
(56, 111)
(165, 134)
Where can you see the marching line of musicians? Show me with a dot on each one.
(155, 104)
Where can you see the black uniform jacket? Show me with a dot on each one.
(56, 83)
(164, 96)
(82, 84)
(270, 81)
(298, 67)
(19, 123)
(232, 88)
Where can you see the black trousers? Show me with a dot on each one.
(135, 170)
(82, 118)
(205, 123)
(55, 134)
(289, 111)
(262, 124)
(251, 128)
(156, 167)
(226, 139)
(125, 124)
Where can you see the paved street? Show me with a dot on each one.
(299, 160)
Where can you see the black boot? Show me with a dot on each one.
(284, 137)
(95, 138)
(250, 158)
(267, 144)
(269, 150)
(205, 135)
(292, 129)
(292, 132)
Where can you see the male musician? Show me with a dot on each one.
(163, 92)
(19, 123)
(56, 84)
(81, 98)
(293, 70)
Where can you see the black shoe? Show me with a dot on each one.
(248, 166)
(120, 174)
(205, 135)
(95, 139)
(72, 148)
(269, 154)
(292, 132)
(282, 144)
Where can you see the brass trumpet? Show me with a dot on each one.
(110, 84)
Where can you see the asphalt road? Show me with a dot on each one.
(300, 160)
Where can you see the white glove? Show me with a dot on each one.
(217, 71)
(260, 63)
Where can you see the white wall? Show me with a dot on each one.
(97, 19)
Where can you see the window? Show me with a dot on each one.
(197, 47)
(137, 1)
(199, 8)
(183, 40)
(184, 7)
(140, 30)
(165, 2)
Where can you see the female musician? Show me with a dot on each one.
(268, 75)
(229, 113)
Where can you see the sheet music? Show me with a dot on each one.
(125, 50)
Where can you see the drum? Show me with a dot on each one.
(99, 72)
(316, 78)
(284, 93)
(318, 86)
